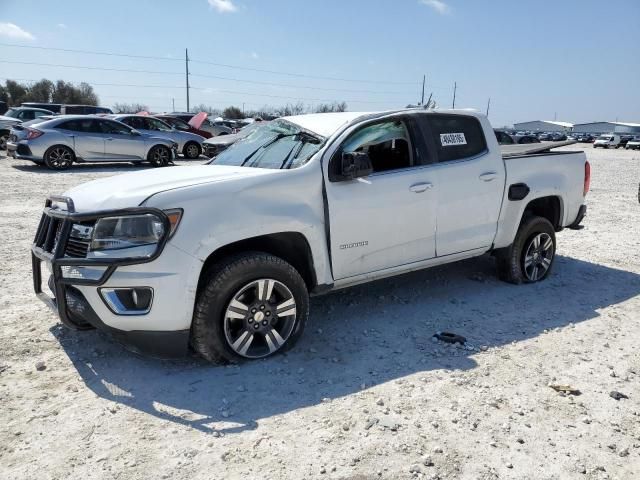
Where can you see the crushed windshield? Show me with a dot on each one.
(277, 145)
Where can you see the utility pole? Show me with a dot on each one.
(243, 109)
(424, 77)
(488, 105)
(455, 87)
(173, 104)
(186, 66)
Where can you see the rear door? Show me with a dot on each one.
(386, 219)
(469, 180)
(88, 141)
(120, 142)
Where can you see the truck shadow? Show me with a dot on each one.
(355, 339)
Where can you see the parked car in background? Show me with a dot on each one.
(3, 107)
(65, 109)
(522, 139)
(633, 144)
(215, 145)
(189, 144)
(610, 140)
(60, 142)
(586, 138)
(214, 128)
(624, 139)
(503, 138)
(558, 137)
(183, 126)
(545, 137)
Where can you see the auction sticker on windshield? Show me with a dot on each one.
(450, 139)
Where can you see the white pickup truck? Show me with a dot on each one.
(222, 257)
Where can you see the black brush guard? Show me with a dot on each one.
(50, 244)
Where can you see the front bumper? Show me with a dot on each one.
(77, 301)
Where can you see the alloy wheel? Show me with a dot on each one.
(60, 158)
(160, 156)
(260, 318)
(192, 151)
(538, 257)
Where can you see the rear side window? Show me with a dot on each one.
(455, 137)
(79, 125)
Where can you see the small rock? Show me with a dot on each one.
(509, 465)
(581, 469)
(520, 441)
(323, 470)
(415, 468)
(437, 450)
(40, 366)
(242, 388)
(225, 414)
(617, 395)
(380, 402)
(345, 427)
(427, 461)
(624, 452)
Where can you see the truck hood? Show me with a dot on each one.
(131, 189)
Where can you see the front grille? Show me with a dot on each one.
(49, 235)
(76, 248)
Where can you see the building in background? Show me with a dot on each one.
(608, 127)
(543, 126)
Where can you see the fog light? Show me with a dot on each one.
(128, 301)
(83, 273)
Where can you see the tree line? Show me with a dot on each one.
(46, 91)
(233, 112)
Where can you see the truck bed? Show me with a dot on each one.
(510, 151)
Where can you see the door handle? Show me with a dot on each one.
(487, 177)
(421, 187)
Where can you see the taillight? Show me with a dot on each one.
(587, 178)
(33, 133)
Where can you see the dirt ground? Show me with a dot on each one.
(366, 393)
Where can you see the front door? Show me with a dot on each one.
(120, 143)
(386, 219)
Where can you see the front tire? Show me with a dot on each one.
(530, 257)
(159, 156)
(191, 150)
(59, 157)
(251, 306)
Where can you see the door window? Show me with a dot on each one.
(156, 125)
(86, 125)
(113, 128)
(387, 144)
(455, 137)
(134, 122)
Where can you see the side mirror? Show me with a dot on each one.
(135, 132)
(355, 165)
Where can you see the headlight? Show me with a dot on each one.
(130, 236)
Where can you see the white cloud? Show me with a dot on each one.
(223, 6)
(62, 26)
(438, 5)
(254, 55)
(11, 30)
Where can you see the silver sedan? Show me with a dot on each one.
(189, 144)
(59, 142)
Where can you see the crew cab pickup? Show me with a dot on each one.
(222, 257)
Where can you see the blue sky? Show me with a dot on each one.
(574, 60)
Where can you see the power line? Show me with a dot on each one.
(224, 65)
(86, 67)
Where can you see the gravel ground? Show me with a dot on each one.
(366, 393)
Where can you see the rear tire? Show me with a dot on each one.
(159, 156)
(59, 157)
(251, 306)
(191, 150)
(4, 138)
(530, 258)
